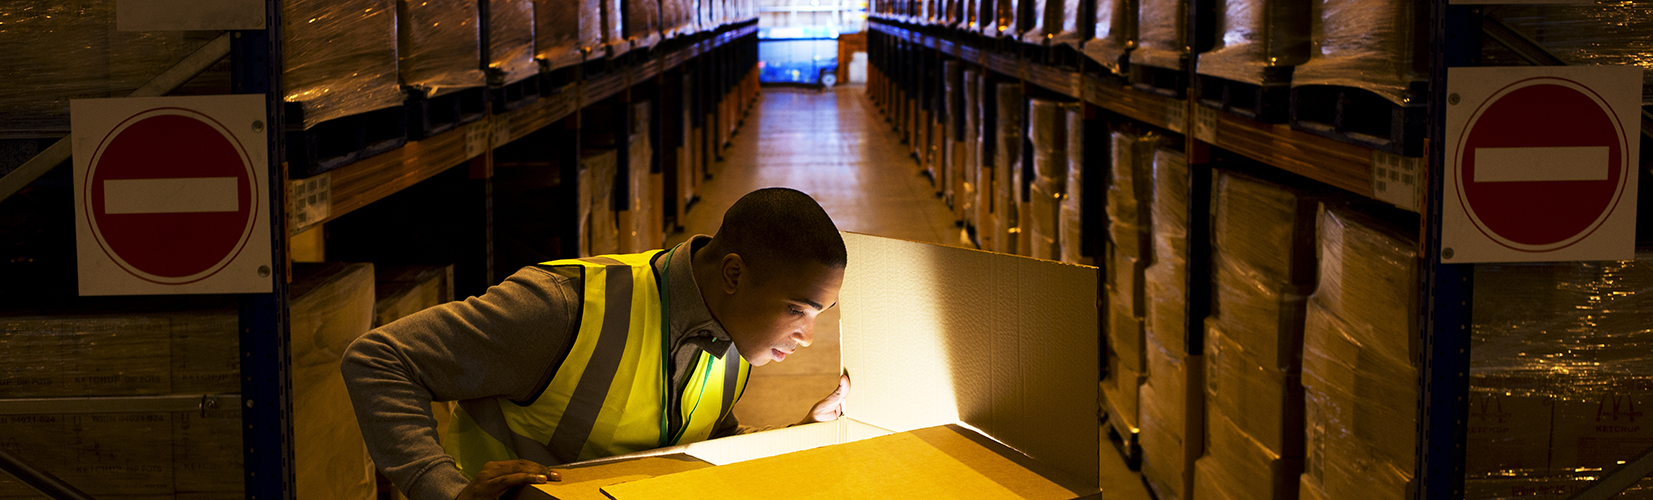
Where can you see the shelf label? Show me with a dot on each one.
(1176, 115)
(1397, 180)
(309, 201)
(476, 139)
(1205, 124)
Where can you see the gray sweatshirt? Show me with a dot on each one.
(504, 343)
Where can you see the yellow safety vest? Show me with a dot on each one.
(607, 398)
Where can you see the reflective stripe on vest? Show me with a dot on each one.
(605, 399)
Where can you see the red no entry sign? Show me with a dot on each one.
(1541, 164)
(170, 195)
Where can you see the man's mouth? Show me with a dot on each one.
(779, 354)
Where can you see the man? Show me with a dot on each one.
(579, 359)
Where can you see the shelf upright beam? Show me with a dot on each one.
(1443, 385)
(266, 385)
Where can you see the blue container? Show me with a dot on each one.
(800, 54)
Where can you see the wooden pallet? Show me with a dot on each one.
(1267, 102)
(1168, 82)
(516, 94)
(342, 141)
(428, 116)
(1363, 118)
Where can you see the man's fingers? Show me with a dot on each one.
(498, 485)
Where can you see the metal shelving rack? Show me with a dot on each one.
(716, 62)
(1454, 39)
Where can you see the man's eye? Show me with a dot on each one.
(795, 311)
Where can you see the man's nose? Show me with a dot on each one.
(806, 334)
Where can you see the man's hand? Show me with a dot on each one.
(498, 477)
(832, 407)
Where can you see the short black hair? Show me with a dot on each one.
(779, 225)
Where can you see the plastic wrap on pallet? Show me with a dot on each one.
(332, 306)
(1366, 44)
(1172, 421)
(1266, 227)
(440, 43)
(1007, 167)
(1162, 39)
(1560, 487)
(1359, 371)
(1256, 397)
(1071, 233)
(969, 196)
(953, 72)
(561, 32)
(1600, 33)
(1166, 279)
(62, 50)
(1050, 143)
(611, 26)
(1062, 22)
(1571, 338)
(1002, 20)
(1115, 33)
(604, 231)
(1126, 333)
(1123, 387)
(1132, 167)
(1358, 398)
(1237, 464)
(1037, 27)
(511, 41)
(339, 58)
(1256, 35)
(642, 20)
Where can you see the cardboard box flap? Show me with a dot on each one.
(938, 462)
(934, 335)
(585, 482)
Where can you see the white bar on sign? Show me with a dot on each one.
(178, 195)
(1586, 163)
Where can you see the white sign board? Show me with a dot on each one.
(1541, 164)
(183, 15)
(171, 195)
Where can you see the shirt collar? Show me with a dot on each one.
(692, 320)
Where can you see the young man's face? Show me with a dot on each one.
(774, 315)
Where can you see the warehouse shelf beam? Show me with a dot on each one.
(119, 404)
(166, 82)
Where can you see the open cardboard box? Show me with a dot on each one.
(973, 372)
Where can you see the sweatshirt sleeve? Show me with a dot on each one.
(504, 343)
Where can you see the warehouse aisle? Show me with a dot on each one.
(835, 146)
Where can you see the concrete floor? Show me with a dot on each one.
(835, 146)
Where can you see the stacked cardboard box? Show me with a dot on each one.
(599, 226)
(1560, 357)
(1070, 232)
(183, 347)
(1359, 369)
(1263, 259)
(952, 150)
(1173, 411)
(1007, 167)
(510, 51)
(1048, 129)
(981, 172)
(1365, 44)
(637, 232)
(1128, 197)
(107, 62)
(439, 43)
(564, 30)
(339, 58)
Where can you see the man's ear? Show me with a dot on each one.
(731, 270)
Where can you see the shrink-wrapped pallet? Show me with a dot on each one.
(1033, 27)
(1007, 168)
(1166, 279)
(1048, 129)
(333, 305)
(1162, 37)
(612, 26)
(339, 58)
(1173, 416)
(62, 50)
(642, 22)
(1359, 371)
(1238, 467)
(1569, 338)
(953, 136)
(676, 18)
(440, 45)
(1593, 33)
(1000, 18)
(635, 229)
(564, 31)
(510, 53)
(1061, 22)
(1115, 33)
(1365, 44)
(1071, 233)
(1258, 40)
(969, 195)
(1130, 192)
(599, 231)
